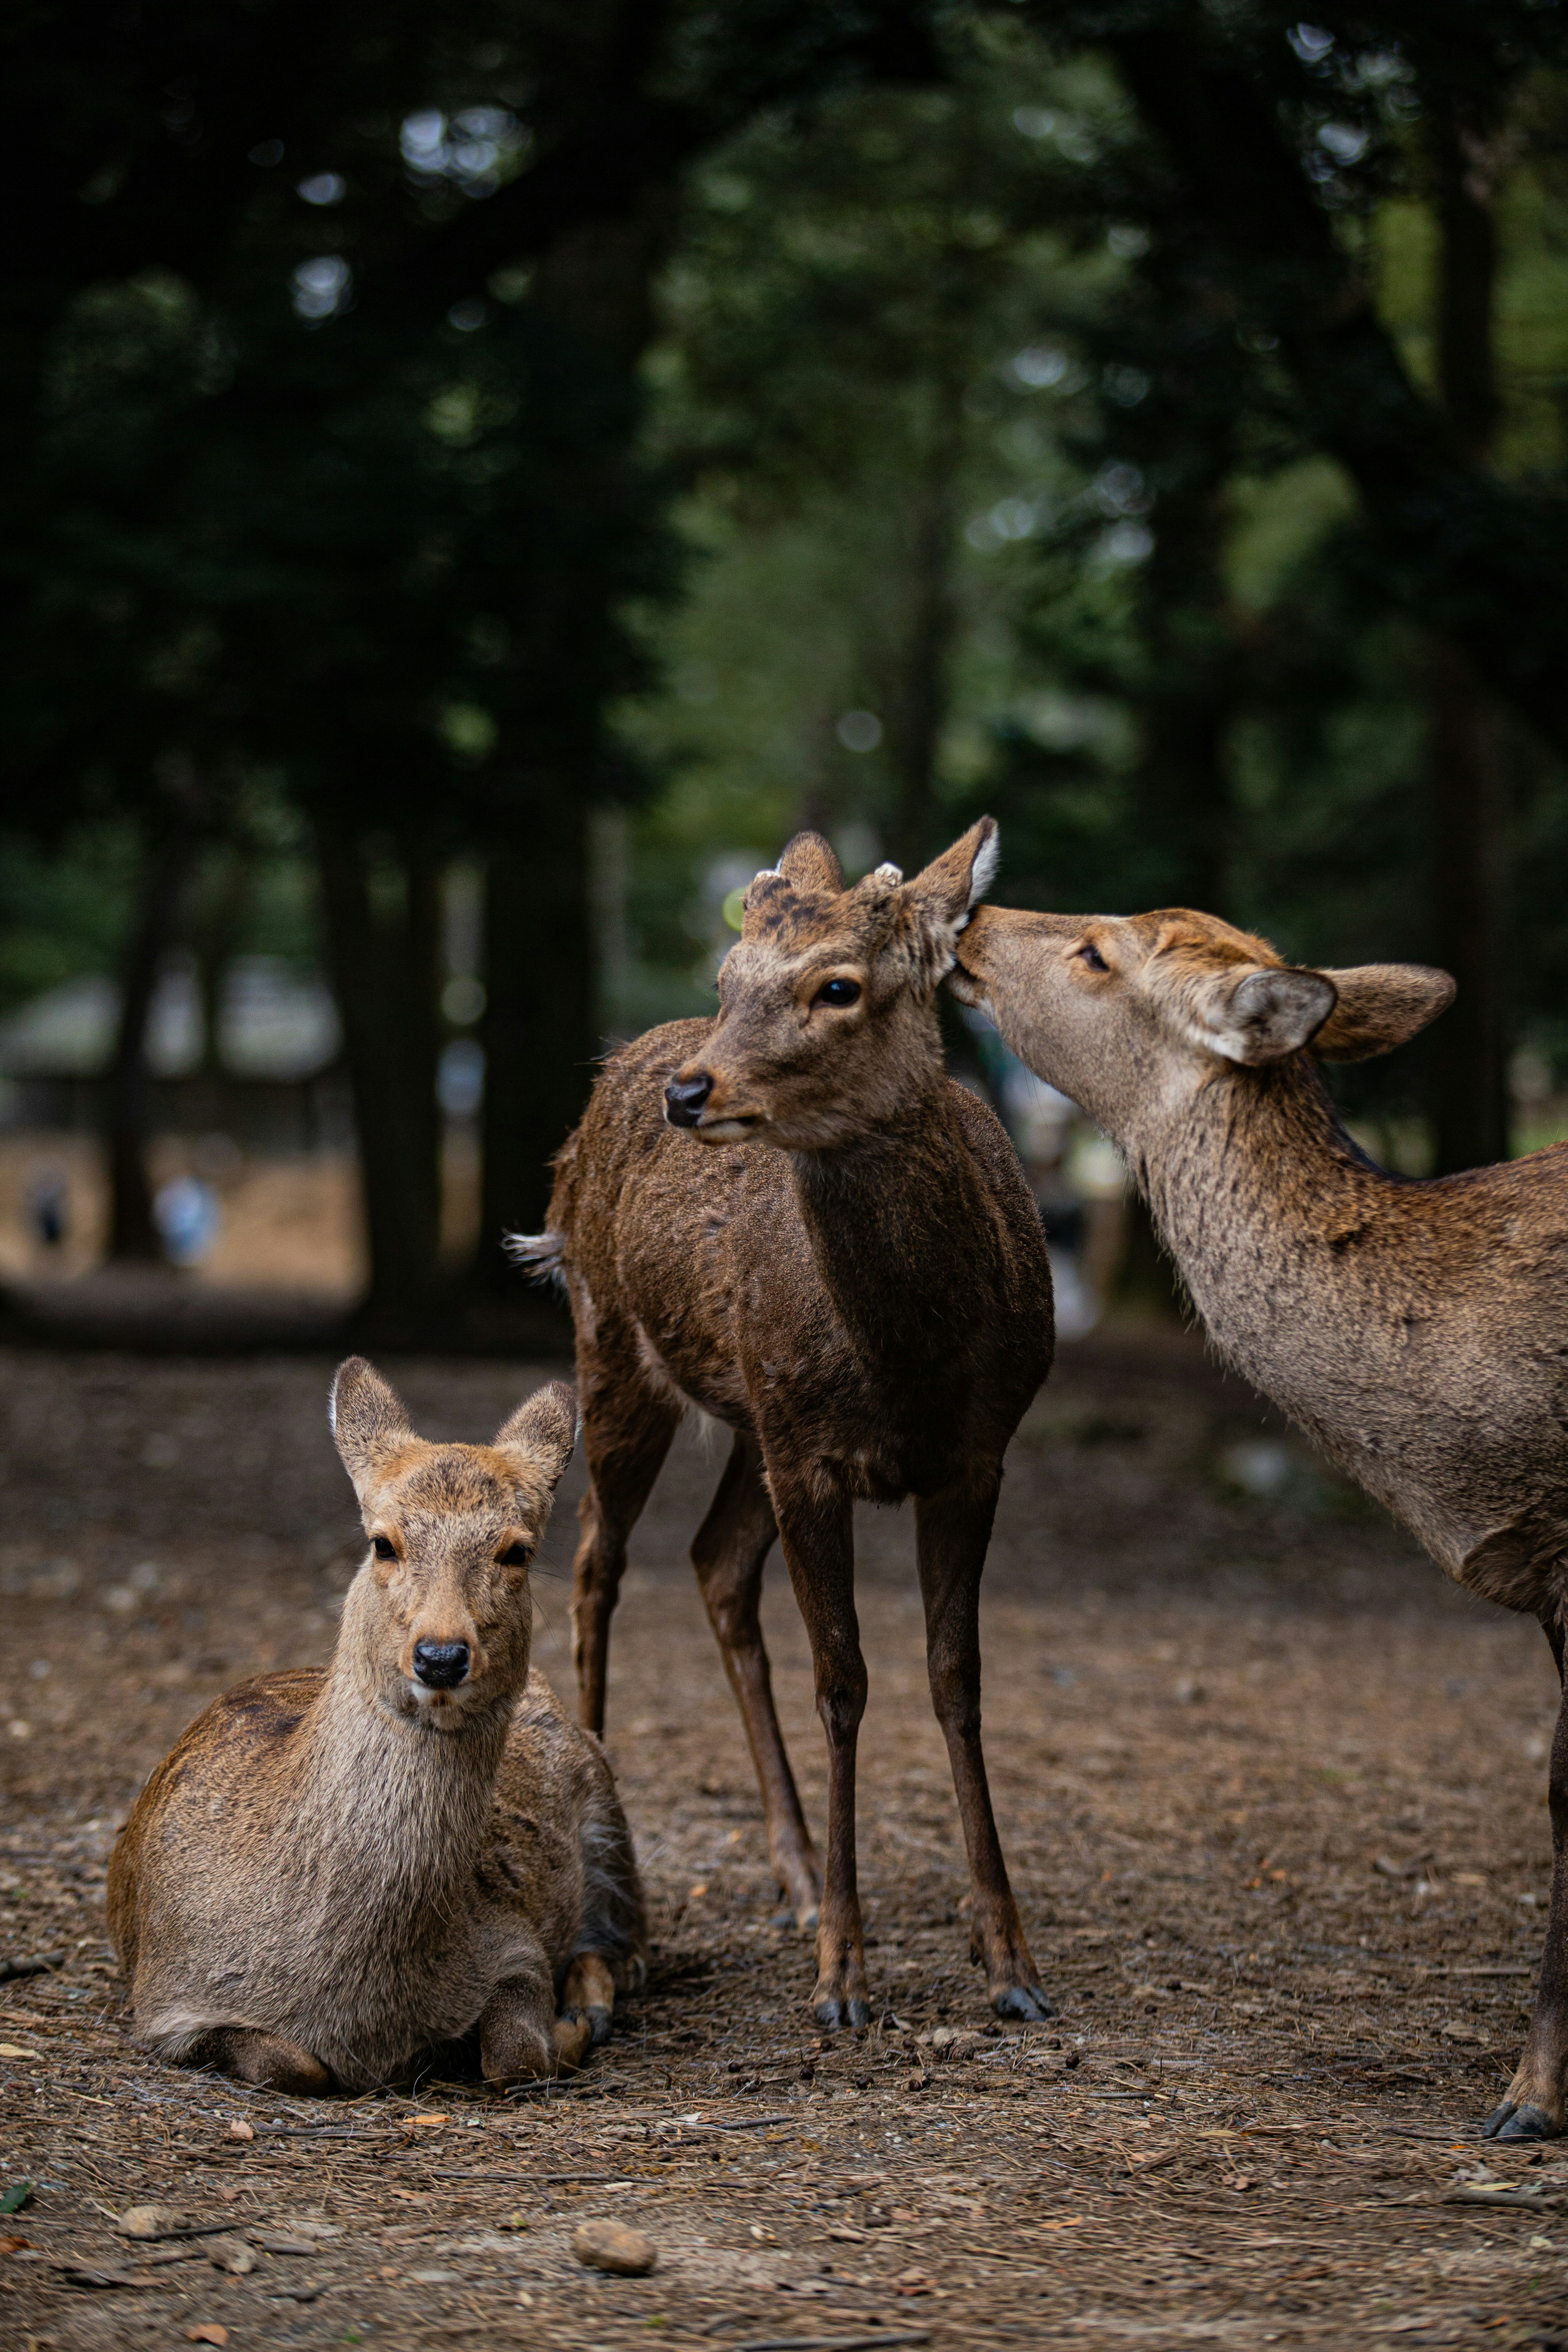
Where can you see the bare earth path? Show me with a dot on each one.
(1274, 1799)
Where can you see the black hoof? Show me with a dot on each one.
(601, 2021)
(1023, 2001)
(1526, 2121)
(843, 2016)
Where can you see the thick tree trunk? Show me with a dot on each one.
(919, 687)
(541, 1038)
(132, 1233)
(1468, 793)
(1467, 1065)
(385, 978)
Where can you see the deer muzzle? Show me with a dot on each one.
(441, 1666)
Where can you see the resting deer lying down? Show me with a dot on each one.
(866, 1305)
(1417, 1331)
(331, 1875)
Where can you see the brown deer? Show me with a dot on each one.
(866, 1305)
(1419, 1331)
(331, 1877)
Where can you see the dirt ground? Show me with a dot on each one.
(1274, 1800)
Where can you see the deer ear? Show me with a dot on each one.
(368, 1423)
(809, 864)
(1380, 1005)
(949, 887)
(544, 1431)
(1264, 1014)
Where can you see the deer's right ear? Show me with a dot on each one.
(809, 864)
(544, 1430)
(1380, 1005)
(1265, 1013)
(368, 1423)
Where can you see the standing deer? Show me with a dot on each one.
(1417, 1331)
(331, 1875)
(866, 1305)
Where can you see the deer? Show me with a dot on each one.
(1417, 1331)
(333, 1877)
(791, 1218)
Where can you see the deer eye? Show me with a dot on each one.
(1090, 954)
(514, 1556)
(384, 1548)
(838, 991)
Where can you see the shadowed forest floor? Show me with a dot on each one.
(1274, 1800)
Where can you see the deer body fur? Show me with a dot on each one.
(1419, 1331)
(334, 1875)
(866, 1305)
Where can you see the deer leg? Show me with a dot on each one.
(1535, 2106)
(732, 1545)
(952, 1530)
(817, 1533)
(522, 2040)
(627, 1433)
(268, 2060)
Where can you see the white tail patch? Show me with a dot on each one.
(541, 1255)
(889, 873)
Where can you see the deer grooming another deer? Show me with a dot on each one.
(332, 1876)
(867, 1306)
(1417, 1331)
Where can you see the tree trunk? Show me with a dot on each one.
(541, 1038)
(385, 978)
(1466, 1066)
(1468, 795)
(918, 692)
(132, 1233)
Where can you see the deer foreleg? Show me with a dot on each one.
(1536, 2104)
(952, 1530)
(727, 1555)
(817, 1533)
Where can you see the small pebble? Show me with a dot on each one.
(150, 2222)
(611, 2246)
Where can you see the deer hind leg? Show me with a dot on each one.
(732, 1545)
(952, 1532)
(269, 2060)
(817, 1533)
(522, 2040)
(627, 1433)
(1535, 2106)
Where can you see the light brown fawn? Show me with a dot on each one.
(331, 1877)
(1419, 1331)
(866, 1305)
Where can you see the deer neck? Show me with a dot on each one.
(1263, 1200)
(885, 1215)
(389, 1815)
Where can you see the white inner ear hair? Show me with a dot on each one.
(983, 873)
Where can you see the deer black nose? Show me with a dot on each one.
(440, 1665)
(684, 1099)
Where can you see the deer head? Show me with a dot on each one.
(1122, 1011)
(827, 1006)
(439, 1618)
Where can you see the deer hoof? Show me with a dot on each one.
(836, 2016)
(1026, 2002)
(1526, 2121)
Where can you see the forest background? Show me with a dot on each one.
(517, 464)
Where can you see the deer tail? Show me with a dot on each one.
(542, 1256)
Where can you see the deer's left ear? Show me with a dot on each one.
(950, 886)
(544, 1431)
(1378, 1006)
